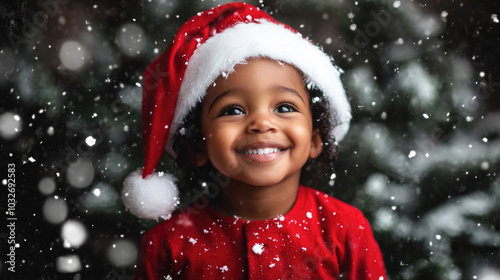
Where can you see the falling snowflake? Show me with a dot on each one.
(412, 154)
(90, 141)
(258, 248)
(494, 18)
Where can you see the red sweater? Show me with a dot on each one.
(319, 238)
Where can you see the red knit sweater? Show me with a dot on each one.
(319, 238)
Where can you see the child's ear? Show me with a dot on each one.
(198, 154)
(316, 144)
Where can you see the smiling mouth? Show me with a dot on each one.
(261, 151)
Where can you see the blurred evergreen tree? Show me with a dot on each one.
(421, 159)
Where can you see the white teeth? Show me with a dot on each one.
(263, 151)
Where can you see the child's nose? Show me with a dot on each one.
(261, 122)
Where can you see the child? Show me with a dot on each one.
(250, 110)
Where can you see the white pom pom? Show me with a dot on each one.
(150, 198)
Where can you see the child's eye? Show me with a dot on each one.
(285, 107)
(231, 110)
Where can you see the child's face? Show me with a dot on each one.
(257, 124)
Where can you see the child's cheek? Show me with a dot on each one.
(221, 152)
(232, 169)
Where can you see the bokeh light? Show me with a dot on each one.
(68, 264)
(102, 197)
(72, 55)
(10, 125)
(47, 185)
(55, 210)
(80, 174)
(131, 39)
(114, 164)
(73, 234)
(122, 253)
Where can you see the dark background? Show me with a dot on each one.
(421, 159)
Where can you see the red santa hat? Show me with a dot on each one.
(206, 46)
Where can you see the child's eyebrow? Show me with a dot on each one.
(225, 93)
(291, 90)
(276, 89)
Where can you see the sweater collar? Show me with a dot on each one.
(295, 213)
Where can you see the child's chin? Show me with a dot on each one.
(262, 182)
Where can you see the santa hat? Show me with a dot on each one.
(209, 44)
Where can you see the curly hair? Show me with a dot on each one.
(314, 172)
